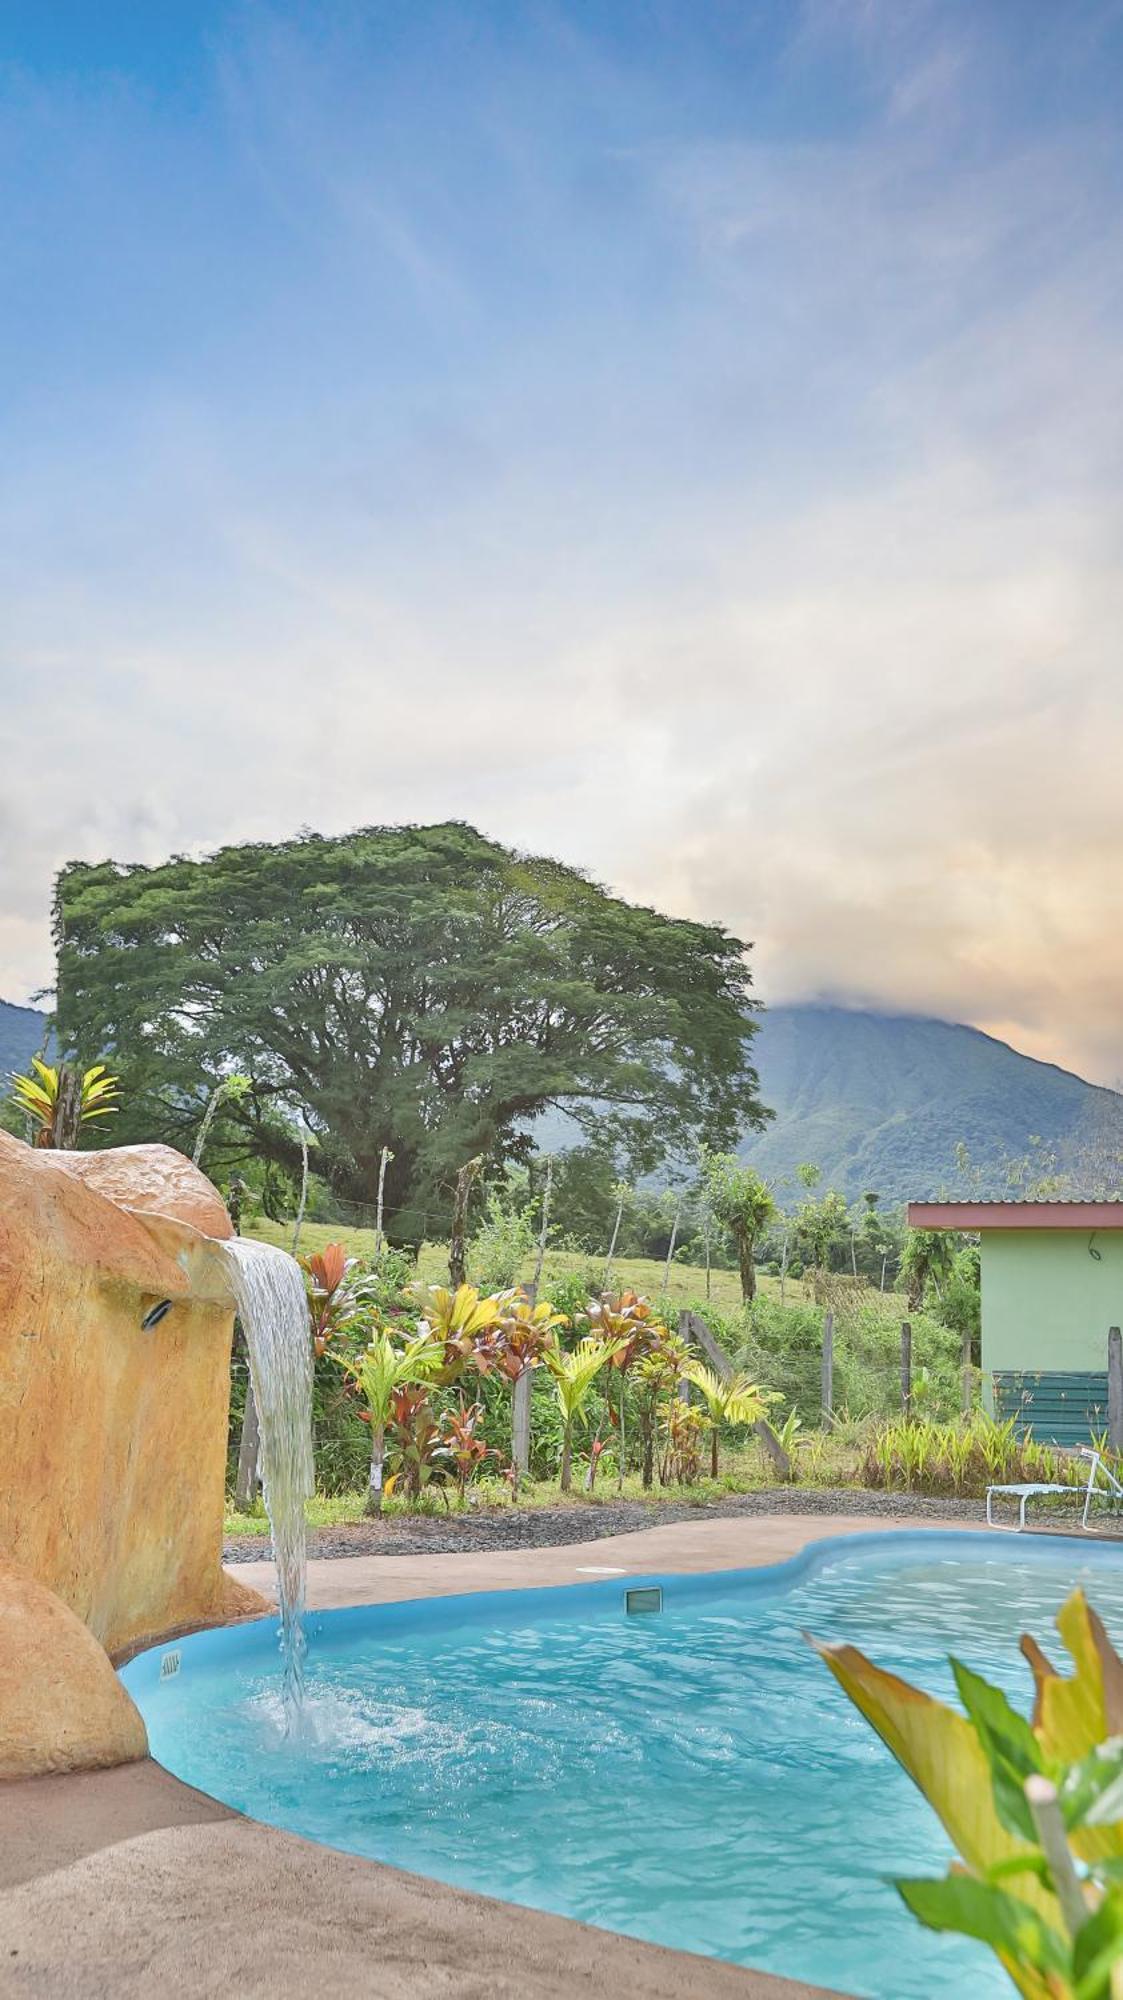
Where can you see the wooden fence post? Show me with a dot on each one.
(1115, 1388)
(906, 1368)
(826, 1395)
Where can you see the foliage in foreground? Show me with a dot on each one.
(1035, 1809)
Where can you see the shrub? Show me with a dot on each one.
(957, 1458)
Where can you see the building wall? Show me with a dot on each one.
(1047, 1302)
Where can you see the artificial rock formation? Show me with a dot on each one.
(62, 1707)
(112, 1439)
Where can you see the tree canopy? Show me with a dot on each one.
(421, 988)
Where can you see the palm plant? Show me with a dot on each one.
(734, 1401)
(574, 1371)
(60, 1100)
(378, 1373)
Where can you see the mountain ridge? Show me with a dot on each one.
(881, 1100)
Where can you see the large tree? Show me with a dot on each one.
(421, 988)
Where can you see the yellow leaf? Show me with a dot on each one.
(942, 1754)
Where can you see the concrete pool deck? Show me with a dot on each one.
(128, 1883)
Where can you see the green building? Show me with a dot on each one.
(1052, 1288)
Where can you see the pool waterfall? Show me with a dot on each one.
(272, 1304)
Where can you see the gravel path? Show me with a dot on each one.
(548, 1527)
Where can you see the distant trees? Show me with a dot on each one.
(741, 1202)
(420, 989)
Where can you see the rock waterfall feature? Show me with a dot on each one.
(112, 1437)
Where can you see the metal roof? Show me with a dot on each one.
(1032, 1214)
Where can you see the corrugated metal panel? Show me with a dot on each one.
(1052, 1406)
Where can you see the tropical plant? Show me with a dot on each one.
(517, 1346)
(59, 1100)
(418, 1452)
(525, 1334)
(658, 1371)
(467, 1450)
(743, 1204)
(921, 1455)
(735, 1400)
(574, 1371)
(333, 1308)
(632, 1328)
(1035, 1808)
(466, 1325)
(503, 1240)
(926, 1260)
(382, 1368)
(684, 1429)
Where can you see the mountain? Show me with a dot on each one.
(22, 1034)
(882, 1100)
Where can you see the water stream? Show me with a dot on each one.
(273, 1308)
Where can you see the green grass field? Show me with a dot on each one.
(687, 1284)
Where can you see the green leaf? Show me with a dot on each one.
(1011, 1748)
(1098, 1950)
(977, 1909)
(1092, 1792)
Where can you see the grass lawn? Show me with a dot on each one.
(640, 1274)
(827, 1462)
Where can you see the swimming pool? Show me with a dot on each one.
(693, 1777)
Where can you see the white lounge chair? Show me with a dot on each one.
(1111, 1491)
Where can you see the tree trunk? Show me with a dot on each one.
(374, 1487)
(543, 1233)
(68, 1108)
(648, 1453)
(303, 1203)
(457, 1250)
(567, 1461)
(713, 1453)
(745, 1248)
(245, 1489)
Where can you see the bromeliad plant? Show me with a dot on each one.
(1035, 1808)
(60, 1100)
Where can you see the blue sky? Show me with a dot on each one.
(681, 437)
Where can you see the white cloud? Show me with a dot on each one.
(750, 537)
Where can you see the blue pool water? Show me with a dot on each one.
(695, 1777)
